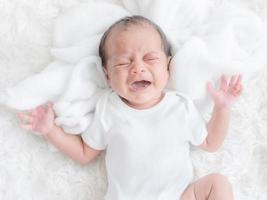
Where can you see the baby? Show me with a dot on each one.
(145, 129)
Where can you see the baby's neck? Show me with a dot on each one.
(146, 105)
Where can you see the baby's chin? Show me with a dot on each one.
(142, 101)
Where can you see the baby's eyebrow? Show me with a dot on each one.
(126, 56)
(115, 59)
(120, 56)
(152, 52)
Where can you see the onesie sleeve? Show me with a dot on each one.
(196, 124)
(95, 135)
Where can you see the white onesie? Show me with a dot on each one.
(147, 151)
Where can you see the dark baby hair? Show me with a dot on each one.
(126, 22)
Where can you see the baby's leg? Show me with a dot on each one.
(211, 187)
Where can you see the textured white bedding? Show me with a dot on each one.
(28, 170)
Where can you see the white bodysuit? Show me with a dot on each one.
(147, 151)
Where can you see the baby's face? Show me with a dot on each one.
(137, 67)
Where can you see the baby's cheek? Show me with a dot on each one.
(117, 82)
(163, 75)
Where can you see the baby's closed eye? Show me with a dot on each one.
(123, 64)
(151, 58)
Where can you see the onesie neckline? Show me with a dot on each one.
(126, 108)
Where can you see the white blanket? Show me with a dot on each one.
(207, 41)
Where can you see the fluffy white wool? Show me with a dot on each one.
(28, 170)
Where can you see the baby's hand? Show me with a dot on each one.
(39, 120)
(228, 91)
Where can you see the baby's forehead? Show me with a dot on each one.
(120, 28)
(120, 34)
(135, 37)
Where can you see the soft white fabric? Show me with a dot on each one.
(147, 151)
(207, 40)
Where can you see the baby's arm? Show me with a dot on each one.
(41, 121)
(219, 122)
(72, 145)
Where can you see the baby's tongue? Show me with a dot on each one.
(140, 84)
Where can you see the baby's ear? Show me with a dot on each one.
(169, 61)
(106, 73)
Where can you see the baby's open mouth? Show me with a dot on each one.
(138, 85)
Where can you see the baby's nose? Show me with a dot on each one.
(138, 68)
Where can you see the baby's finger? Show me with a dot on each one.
(223, 85)
(32, 112)
(240, 89)
(239, 80)
(233, 80)
(236, 79)
(25, 117)
(50, 103)
(49, 106)
(27, 127)
(237, 90)
(211, 89)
